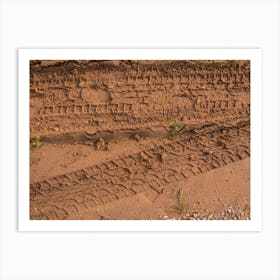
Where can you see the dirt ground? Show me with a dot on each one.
(140, 140)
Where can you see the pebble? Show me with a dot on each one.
(100, 144)
(88, 143)
(165, 217)
(210, 217)
(163, 156)
(103, 218)
(195, 215)
(137, 137)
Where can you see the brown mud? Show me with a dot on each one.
(130, 139)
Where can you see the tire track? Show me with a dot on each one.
(167, 161)
(76, 96)
(61, 120)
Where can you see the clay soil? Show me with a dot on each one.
(134, 139)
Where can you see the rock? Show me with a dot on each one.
(210, 217)
(165, 217)
(195, 215)
(103, 218)
(101, 144)
(108, 148)
(89, 143)
(163, 156)
(137, 137)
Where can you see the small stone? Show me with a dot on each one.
(165, 217)
(210, 217)
(100, 144)
(195, 215)
(108, 148)
(137, 137)
(103, 218)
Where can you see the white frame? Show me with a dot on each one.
(254, 55)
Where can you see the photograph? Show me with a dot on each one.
(139, 139)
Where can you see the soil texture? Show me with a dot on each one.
(136, 139)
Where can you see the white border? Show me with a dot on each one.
(254, 55)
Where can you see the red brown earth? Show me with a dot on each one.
(140, 139)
